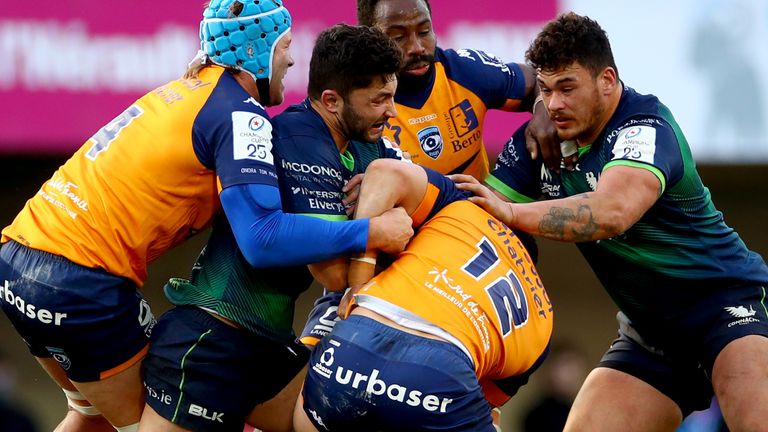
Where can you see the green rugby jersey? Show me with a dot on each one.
(222, 281)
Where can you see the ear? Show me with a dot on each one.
(608, 80)
(331, 100)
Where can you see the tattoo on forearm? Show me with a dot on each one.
(559, 224)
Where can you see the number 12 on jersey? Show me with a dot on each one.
(506, 292)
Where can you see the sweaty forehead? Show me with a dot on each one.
(400, 13)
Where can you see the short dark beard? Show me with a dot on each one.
(352, 124)
(410, 83)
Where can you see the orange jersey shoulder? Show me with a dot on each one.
(468, 274)
(132, 191)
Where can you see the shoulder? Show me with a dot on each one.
(461, 60)
(299, 120)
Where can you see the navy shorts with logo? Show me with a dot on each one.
(367, 376)
(93, 323)
(677, 358)
(203, 374)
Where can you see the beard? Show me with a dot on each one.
(354, 126)
(408, 82)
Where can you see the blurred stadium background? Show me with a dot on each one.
(70, 66)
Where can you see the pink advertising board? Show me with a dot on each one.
(70, 66)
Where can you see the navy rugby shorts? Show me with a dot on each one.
(367, 376)
(203, 374)
(94, 324)
(677, 357)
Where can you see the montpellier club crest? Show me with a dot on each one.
(431, 141)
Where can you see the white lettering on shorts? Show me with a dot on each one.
(161, 395)
(30, 310)
(198, 411)
(374, 386)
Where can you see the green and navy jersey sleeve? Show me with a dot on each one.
(312, 172)
(640, 136)
(516, 175)
(232, 135)
(495, 82)
(682, 235)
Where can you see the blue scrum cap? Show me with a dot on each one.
(242, 34)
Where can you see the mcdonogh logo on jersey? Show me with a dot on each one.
(431, 141)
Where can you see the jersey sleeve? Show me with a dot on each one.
(498, 84)
(441, 191)
(516, 175)
(648, 143)
(310, 181)
(235, 140)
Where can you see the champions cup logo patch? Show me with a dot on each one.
(431, 141)
(256, 123)
(464, 118)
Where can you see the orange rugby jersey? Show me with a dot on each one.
(468, 274)
(441, 125)
(150, 178)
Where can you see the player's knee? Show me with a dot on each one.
(390, 169)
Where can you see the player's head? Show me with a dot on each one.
(409, 24)
(251, 36)
(576, 73)
(352, 75)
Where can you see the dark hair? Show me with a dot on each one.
(366, 9)
(347, 57)
(571, 38)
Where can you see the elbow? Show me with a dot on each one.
(256, 257)
(616, 222)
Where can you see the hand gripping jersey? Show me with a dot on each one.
(467, 278)
(441, 125)
(312, 172)
(148, 180)
(680, 245)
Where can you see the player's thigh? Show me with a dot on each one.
(203, 374)
(276, 414)
(94, 325)
(301, 422)
(120, 398)
(74, 420)
(740, 379)
(151, 421)
(611, 400)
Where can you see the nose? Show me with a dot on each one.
(554, 101)
(413, 46)
(391, 109)
(290, 60)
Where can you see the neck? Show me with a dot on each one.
(610, 108)
(331, 120)
(247, 83)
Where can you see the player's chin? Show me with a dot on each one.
(375, 132)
